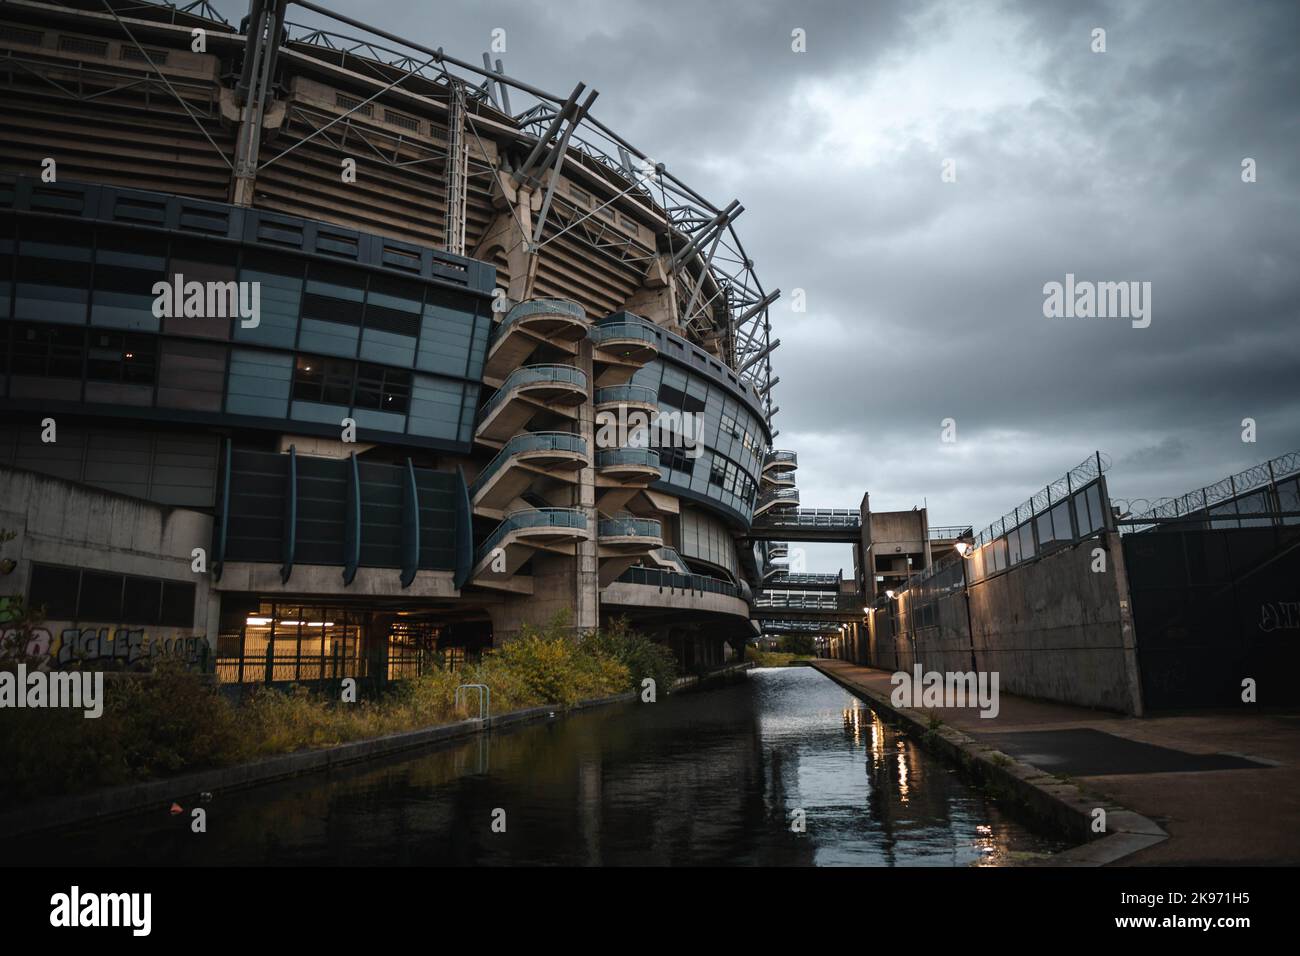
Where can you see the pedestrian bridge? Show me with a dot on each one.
(808, 524)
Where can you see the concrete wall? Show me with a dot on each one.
(1052, 628)
(62, 523)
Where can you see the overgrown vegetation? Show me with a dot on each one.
(172, 720)
(773, 658)
(799, 644)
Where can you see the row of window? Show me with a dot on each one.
(106, 276)
(100, 597)
(726, 475)
(52, 351)
(351, 384)
(751, 442)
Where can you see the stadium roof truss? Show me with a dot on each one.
(719, 298)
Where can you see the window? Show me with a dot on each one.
(54, 589)
(100, 598)
(384, 389)
(675, 459)
(324, 380)
(69, 594)
(122, 357)
(48, 350)
(717, 473)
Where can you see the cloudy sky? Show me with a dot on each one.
(924, 297)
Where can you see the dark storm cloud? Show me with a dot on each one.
(925, 298)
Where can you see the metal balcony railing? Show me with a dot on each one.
(639, 331)
(630, 528)
(529, 441)
(544, 307)
(611, 457)
(780, 496)
(533, 518)
(951, 532)
(681, 582)
(781, 459)
(642, 394)
(530, 375)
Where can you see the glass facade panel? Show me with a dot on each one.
(127, 265)
(259, 383)
(53, 280)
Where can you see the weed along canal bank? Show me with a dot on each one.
(779, 766)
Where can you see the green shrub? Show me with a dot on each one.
(641, 656)
(171, 720)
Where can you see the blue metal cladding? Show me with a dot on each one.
(290, 537)
(390, 334)
(410, 526)
(223, 517)
(346, 512)
(352, 523)
(464, 531)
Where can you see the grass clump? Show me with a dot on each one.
(171, 720)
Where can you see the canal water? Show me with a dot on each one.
(713, 777)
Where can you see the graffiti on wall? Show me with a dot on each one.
(103, 645)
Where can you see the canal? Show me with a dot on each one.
(711, 777)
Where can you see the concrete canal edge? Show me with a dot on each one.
(1051, 799)
(128, 798)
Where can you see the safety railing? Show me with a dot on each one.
(780, 496)
(533, 518)
(807, 600)
(532, 375)
(630, 528)
(781, 459)
(950, 532)
(614, 394)
(528, 441)
(624, 331)
(830, 518)
(612, 457)
(681, 582)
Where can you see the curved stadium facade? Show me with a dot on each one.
(395, 406)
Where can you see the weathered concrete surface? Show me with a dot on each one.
(65, 523)
(1051, 627)
(1244, 816)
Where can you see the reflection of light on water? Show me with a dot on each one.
(877, 741)
(853, 720)
(902, 773)
(992, 850)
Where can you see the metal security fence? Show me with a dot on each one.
(1260, 496)
(1074, 507)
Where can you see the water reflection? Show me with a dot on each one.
(706, 778)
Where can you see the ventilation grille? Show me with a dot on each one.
(130, 52)
(352, 103)
(83, 45)
(402, 120)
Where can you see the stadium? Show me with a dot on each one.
(441, 280)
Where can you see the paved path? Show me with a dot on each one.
(1220, 816)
